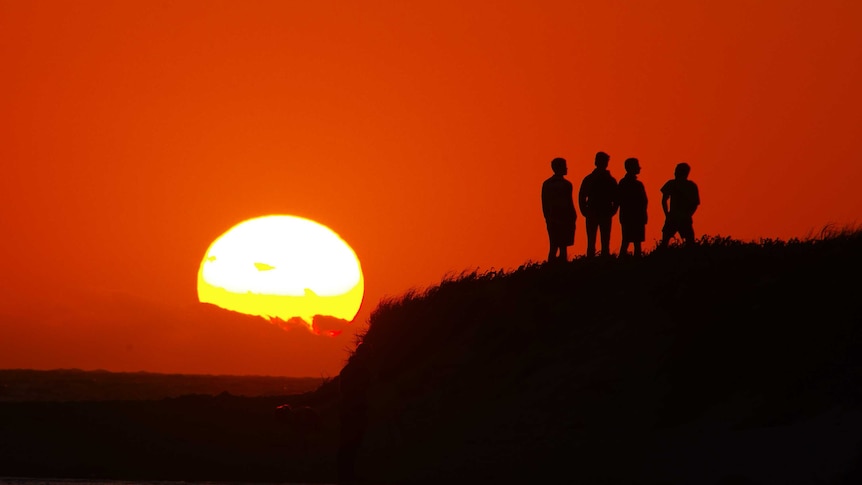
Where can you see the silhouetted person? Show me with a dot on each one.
(632, 200)
(353, 382)
(597, 200)
(559, 210)
(684, 199)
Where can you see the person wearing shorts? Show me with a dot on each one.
(679, 201)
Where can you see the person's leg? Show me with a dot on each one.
(638, 235)
(667, 232)
(686, 232)
(592, 227)
(605, 228)
(554, 243)
(626, 240)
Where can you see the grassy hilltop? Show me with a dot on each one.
(727, 362)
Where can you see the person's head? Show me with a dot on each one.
(632, 166)
(558, 165)
(681, 171)
(602, 159)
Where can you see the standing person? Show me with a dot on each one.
(684, 200)
(632, 199)
(559, 210)
(597, 200)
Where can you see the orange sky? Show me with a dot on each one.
(134, 133)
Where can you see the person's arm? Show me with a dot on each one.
(645, 202)
(664, 198)
(583, 203)
(696, 201)
(545, 203)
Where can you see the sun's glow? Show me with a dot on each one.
(284, 267)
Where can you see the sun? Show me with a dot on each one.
(282, 266)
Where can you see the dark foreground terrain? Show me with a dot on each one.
(723, 363)
(79, 385)
(144, 426)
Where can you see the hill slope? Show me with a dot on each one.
(719, 363)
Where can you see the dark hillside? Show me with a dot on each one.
(721, 362)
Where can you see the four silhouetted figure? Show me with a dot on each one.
(632, 200)
(559, 210)
(597, 200)
(684, 199)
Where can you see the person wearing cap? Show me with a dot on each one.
(684, 198)
(597, 200)
(559, 211)
(632, 200)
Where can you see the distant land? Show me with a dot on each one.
(722, 363)
(100, 385)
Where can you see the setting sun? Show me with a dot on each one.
(284, 267)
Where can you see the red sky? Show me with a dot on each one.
(134, 133)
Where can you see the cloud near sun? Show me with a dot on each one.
(282, 267)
